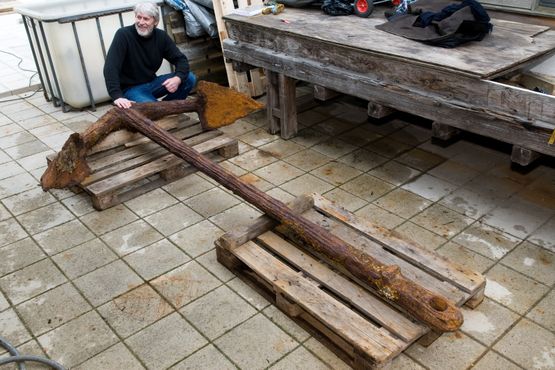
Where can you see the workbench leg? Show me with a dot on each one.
(281, 105)
(379, 111)
(288, 106)
(323, 93)
(272, 101)
(523, 156)
(444, 132)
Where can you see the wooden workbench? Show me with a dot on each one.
(455, 88)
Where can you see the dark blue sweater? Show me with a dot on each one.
(133, 59)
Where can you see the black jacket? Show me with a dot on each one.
(133, 59)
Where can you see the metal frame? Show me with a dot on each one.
(49, 80)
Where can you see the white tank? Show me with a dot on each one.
(67, 66)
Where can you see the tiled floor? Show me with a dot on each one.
(138, 285)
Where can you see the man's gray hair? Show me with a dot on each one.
(150, 9)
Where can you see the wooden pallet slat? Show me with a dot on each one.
(125, 165)
(344, 313)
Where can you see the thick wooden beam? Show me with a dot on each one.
(323, 93)
(523, 156)
(387, 280)
(444, 132)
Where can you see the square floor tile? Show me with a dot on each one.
(256, 343)
(450, 351)
(345, 199)
(31, 281)
(379, 216)
(78, 340)
(166, 342)
(62, 237)
(217, 312)
(107, 282)
(403, 203)
(238, 216)
(487, 241)
(454, 172)
(79, 204)
(109, 219)
(336, 173)
(212, 202)
(134, 310)
(286, 323)
(333, 126)
(492, 361)
(151, 202)
(12, 328)
(45, 218)
(306, 184)
(84, 258)
(545, 235)
(11, 231)
(207, 358)
(363, 160)
(419, 235)
(248, 293)
(367, 187)
(156, 259)
(488, 321)
(442, 221)
(256, 181)
(210, 262)
(300, 358)
(279, 172)
(18, 255)
(253, 159)
(394, 173)
(173, 219)
(116, 357)
(28, 201)
(281, 148)
(334, 148)
(429, 187)
(258, 137)
(188, 186)
(529, 345)
(359, 136)
(465, 257)
(326, 355)
(518, 217)
(542, 313)
(308, 159)
(3, 303)
(16, 184)
(420, 159)
(185, 283)
(198, 238)
(532, 261)
(513, 289)
(132, 237)
(52, 309)
(387, 147)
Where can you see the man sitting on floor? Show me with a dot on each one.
(136, 53)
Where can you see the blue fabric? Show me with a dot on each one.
(153, 90)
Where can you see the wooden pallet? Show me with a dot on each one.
(251, 82)
(356, 324)
(125, 165)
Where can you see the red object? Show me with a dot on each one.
(362, 6)
(396, 2)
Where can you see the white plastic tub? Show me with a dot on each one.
(68, 38)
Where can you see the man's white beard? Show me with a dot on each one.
(146, 33)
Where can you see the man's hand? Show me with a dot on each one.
(171, 84)
(123, 103)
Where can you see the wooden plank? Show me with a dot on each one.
(461, 277)
(500, 51)
(364, 243)
(122, 179)
(363, 300)
(287, 106)
(377, 343)
(466, 114)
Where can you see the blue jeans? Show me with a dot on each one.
(153, 90)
